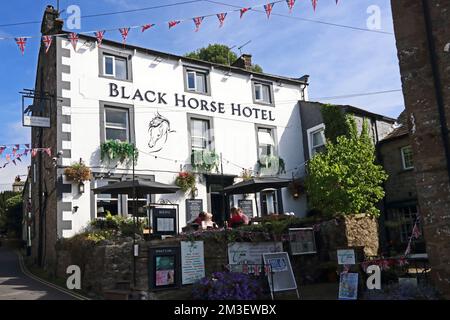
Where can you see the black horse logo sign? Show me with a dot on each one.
(159, 129)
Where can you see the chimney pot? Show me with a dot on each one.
(244, 62)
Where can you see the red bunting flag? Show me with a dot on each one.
(100, 35)
(34, 152)
(268, 7)
(198, 21)
(221, 17)
(314, 4)
(245, 268)
(244, 10)
(416, 231)
(147, 26)
(290, 4)
(48, 151)
(47, 40)
(173, 23)
(8, 157)
(256, 268)
(21, 42)
(73, 37)
(267, 269)
(124, 32)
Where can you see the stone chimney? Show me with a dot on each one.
(51, 24)
(244, 62)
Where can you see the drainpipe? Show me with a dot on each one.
(437, 83)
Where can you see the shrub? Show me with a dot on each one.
(227, 286)
(118, 150)
(186, 181)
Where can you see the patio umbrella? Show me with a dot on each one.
(256, 185)
(142, 188)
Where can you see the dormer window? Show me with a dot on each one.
(262, 93)
(196, 80)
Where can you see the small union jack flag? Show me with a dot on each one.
(147, 26)
(21, 42)
(173, 23)
(268, 7)
(244, 10)
(198, 21)
(100, 35)
(73, 37)
(290, 4)
(47, 40)
(124, 32)
(221, 17)
(416, 231)
(314, 4)
(245, 268)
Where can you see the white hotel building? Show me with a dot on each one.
(168, 106)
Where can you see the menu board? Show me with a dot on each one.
(348, 286)
(193, 209)
(281, 277)
(251, 252)
(346, 256)
(164, 221)
(247, 207)
(164, 267)
(302, 241)
(192, 261)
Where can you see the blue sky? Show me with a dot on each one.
(340, 61)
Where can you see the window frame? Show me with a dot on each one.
(190, 117)
(131, 119)
(310, 132)
(193, 69)
(256, 83)
(127, 129)
(103, 53)
(273, 133)
(403, 158)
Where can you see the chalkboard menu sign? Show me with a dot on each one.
(193, 208)
(164, 268)
(164, 221)
(247, 207)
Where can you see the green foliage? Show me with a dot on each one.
(11, 213)
(218, 53)
(204, 160)
(118, 150)
(345, 179)
(121, 225)
(335, 121)
(186, 181)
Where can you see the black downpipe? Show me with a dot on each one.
(437, 83)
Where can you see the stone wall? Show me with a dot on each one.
(427, 101)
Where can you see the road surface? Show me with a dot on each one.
(17, 284)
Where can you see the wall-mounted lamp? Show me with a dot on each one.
(100, 212)
(75, 208)
(81, 187)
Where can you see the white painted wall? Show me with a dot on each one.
(235, 137)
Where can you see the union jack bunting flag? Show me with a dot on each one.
(47, 40)
(268, 7)
(245, 268)
(244, 10)
(73, 37)
(147, 26)
(314, 4)
(221, 17)
(198, 21)
(290, 4)
(173, 23)
(21, 42)
(124, 32)
(100, 35)
(416, 231)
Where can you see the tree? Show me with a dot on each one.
(218, 53)
(10, 213)
(344, 179)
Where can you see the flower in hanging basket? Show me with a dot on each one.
(121, 151)
(78, 172)
(186, 181)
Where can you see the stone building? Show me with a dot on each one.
(422, 32)
(400, 208)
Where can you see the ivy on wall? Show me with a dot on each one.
(335, 122)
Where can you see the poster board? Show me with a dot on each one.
(193, 209)
(247, 207)
(164, 268)
(164, 221)
(348, 286)
(192, 261)
(346, 256)
(251, 252)
(302, 241)
(281, 277)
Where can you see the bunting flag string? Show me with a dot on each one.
(244, 10)
(21, 42)
(124, 32)
(173, 23)
(73, 38)
(268, 8)
(47, 40)
(15, 156)
(221, 17)
(290, 4)
(314, 4)
(99, 35)
(198, 21)
(147, 26)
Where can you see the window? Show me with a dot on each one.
(200, 134)
(316, 139)
(269, 203)
(262, 93)
(406, 216)
(407, 158)
(266, 142)
(116, 124)
(116, 67)
(196, 81)
(107, 203)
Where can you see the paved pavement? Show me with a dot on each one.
(16, 285)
